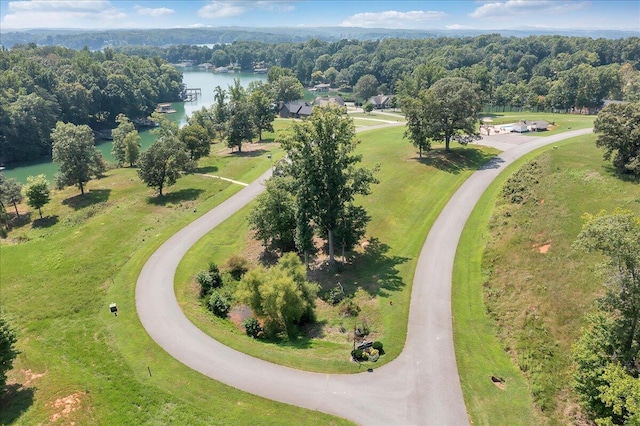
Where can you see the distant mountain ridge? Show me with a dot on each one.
(95, 40)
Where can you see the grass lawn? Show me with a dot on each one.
(403, 206)
(521, 291)
(80, 364)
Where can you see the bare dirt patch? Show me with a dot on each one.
(66, 406)
(544, 248)
(30, 377)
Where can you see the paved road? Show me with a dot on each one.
(420, 387)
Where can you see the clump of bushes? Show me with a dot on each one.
(220, 303)
(209, 279)
(518, 189)
(335, 295)
(252, 327)
(371, 353)
(238, 266)
(348, 308)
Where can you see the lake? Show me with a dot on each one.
(193, 78)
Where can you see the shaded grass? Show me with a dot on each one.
(403, 207)
(535, 302)
(57, 283)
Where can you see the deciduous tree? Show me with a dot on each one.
(10, 192)
(280, 295)
(618, 130)
(74, 151)
(125, 126)
(324, 169)
(196, 140)
(8, 351)
(163, 163)
(37, 192)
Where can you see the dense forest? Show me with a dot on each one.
(541, 72)
(42, 85)
(97, 40)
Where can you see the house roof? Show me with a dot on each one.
(322, 101)
(298, 107)
(380, 99)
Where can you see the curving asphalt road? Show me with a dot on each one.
(420, 387)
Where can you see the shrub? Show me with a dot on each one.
(238, 266)
(356, 354)
(518, 189)
(374, 355)
(349, 308)
(252, 327)
(206, 282)
(214, 273)
(377, 345)
(336, 294)
(220, 304)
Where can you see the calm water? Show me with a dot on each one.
(205, 80)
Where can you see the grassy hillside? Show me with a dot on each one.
(81, 364)
(518, 279)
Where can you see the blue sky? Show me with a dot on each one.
(467, 14)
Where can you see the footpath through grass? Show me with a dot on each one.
(521, 292)
(80, 364)
(403, 206)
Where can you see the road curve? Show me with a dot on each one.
(420, 387)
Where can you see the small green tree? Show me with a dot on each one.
(132, 148)
(10, 192)
(73, 149)
(281, 295)
(367, 107)
(618, 130)
(118, 147)
(163, 163)
(196, 140)
(37, 192)
(274, 216)
(263, 111)
(8, 351)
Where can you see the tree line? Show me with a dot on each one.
(540, 72)
(40, 86)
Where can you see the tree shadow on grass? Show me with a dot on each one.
(207, 169)
(457, 160)
(176, 197)
(373, 270)
(304, 338)
(45, 222)
(15, 401)
(625, 177)
(93, 196)
(19, 221)
(249, 154)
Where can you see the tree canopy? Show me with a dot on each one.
(37, 192)
(163, 163)
(74, 151)
(324, 170)
(8, 351)
(618, 130)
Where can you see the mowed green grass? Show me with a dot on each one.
(57, 279)
(537, 301)
(403, 207)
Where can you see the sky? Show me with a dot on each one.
(424, 15)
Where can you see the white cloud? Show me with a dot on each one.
(63, 14)
(392, 19)
(227, 8)
(456, 27)
(503, 9)
(154, 13)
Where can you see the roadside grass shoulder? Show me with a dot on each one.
(403, 207)
(521, 292)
